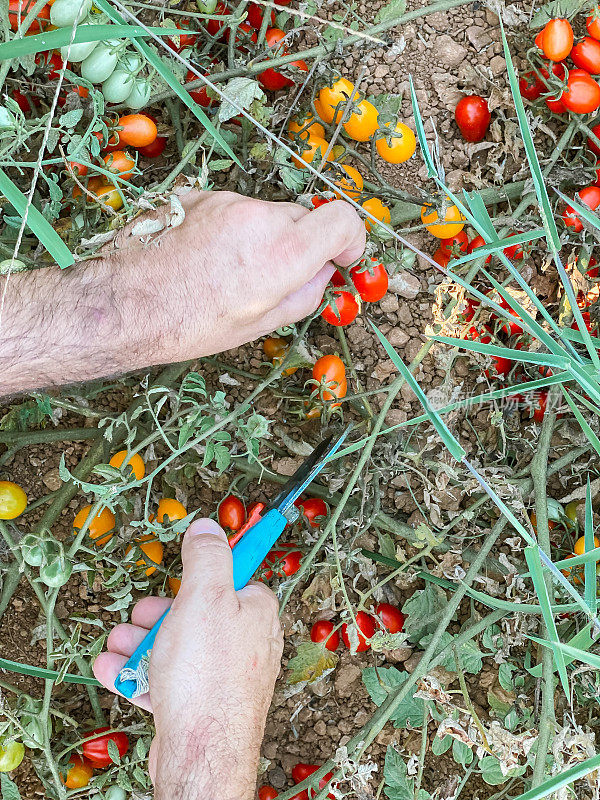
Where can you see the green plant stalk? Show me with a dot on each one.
(11, 579)
(48, 686)
(539, 472)
(24, 438)
(423, 750)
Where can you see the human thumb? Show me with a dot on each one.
(207, 561)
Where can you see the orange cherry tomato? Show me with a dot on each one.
(398, 147)
(137, 130)
(579, 548)
(350, 185)
(452, 223)
(135, 462)
(81, 170)
(557, 39)
(78, 775)
(379, 210)
(152, 549)
(330, 374)
(100, 525)
(331, 99)
(362, 122)
(120, 163)
(174, 585)
(299, 128)
(274, 346)
(170, 510)
(312, 148)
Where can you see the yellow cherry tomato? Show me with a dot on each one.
(110, 196)
(571, 511)
(352, 185)
(579, 548)
(13, 500)
(152, 549)
(79, 774)
(305, 128)
(312, 149)
(174, 585)
(329, 103)
(452, 223)
(99, 526)
(170, 510)
(362, 122)
(397, 148)
(136, 463)
(378, 209)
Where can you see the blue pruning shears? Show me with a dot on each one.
(254, 540)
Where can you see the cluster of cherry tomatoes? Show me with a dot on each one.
(94, 756)
(368, 281)
(300, 772)
(387, 617)
(562, 87)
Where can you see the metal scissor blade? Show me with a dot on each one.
(307, 472)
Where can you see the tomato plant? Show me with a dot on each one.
(96, 749)
(231, 513)
(341, 310)
(322, 632)
(366, 628)
(472, 117)
(370, 279)
(13, 500)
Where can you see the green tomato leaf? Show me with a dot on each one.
(9, 789)
(461, 753)
(242, 91)
(492, 774)
(394, 9)
(379, 682)
(71, 118)
(471, 657)
(398, 786)
(311, 661)
(424, 611)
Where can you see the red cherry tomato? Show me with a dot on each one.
(320, 201)
(590, 196)
(586, 55)
(591, 144)
(245, 33)
(26, 102)
(500, 367)
(441, 257)
(478, 241)
(232, 513)
(214, 26)
(515, 251)
(302, 771)
(593, 23)
(391, 617)
(587, 321)
(267, 793)
(255, 15)
(285, 562)
(155, 149)
(96, 750)
(312, 508)
(341, 310)
(185, 39)
(321, 631)
(472, 117)
(370, 280)
(456, 245)
(582, 95)
(19, 9)
(270, 78)
(199, 95)
(530, 86)
(366, 629)
(557, 39)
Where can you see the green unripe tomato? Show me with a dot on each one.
(64, 13)
(206, 6)
(101, 62)
(56, 572)
(11, 755)
(12, 265)
(139, 97)
(78, 52)
(7, 120)
(33, 550)
(115, 793)
(555, 509)
(117, 87)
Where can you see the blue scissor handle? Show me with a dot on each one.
(248, 555)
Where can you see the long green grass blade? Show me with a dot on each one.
(565, 778)
(36, 223)
(589, 568)
(532, 556)
(582, 639)
(534, 165)
(38, 672)
(526, 356)
(165, 73)
(582, 210)
(449, 441)
(495, 247)
(585, 427)
(578, 653)
(61, 37)
(431, 170)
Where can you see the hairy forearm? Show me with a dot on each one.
(62, 326)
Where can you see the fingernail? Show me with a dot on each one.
(204, 526)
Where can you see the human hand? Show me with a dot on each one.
(212, 672)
